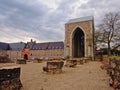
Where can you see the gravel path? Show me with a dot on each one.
(84, 77)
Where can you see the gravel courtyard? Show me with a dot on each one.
(84, 77)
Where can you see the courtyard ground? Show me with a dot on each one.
(84, 77)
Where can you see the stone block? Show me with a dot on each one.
(71, 63)
(80, 61)
(10, 78)
(37, 60)
(54, 67)
(21, 61)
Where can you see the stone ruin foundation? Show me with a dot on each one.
(5, 59)
(10, 77)
(113, 70)
(21, 61)
(76, 61)
(54, 67)
(37, 60)
(112, 66)
(71, 63)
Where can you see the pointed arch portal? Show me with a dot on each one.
(26, 57)
(78, 48)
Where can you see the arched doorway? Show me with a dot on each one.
(78, 43)
(26, 57)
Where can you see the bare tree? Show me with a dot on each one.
(98, 38)
(111, 29)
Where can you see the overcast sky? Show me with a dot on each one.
(44, 20)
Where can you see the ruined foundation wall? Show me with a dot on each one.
(10, 78)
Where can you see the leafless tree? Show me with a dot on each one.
(98, 38)
(111, 29)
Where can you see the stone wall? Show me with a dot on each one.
(14, 54)
(10, 78)
(5, 59)
(88, 28)
(54, 66)
(21, 61)
(113, 71)
(54, 53)
(71, 63)
(3, 52)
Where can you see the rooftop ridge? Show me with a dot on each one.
(81, 19)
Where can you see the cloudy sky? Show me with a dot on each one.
(44, 20)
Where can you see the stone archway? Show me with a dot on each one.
(78, 43)
(26, 57)
(79, 38)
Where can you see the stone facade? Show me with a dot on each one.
(44, 54)
(87, 26)
(56, 53)
(46, 50)
(32, 50)
(14, 54)
(3, 52)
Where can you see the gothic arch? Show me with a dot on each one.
(78, 43)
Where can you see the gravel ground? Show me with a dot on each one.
(84, 77)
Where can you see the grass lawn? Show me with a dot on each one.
(117, 57)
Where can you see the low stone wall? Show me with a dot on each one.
(86, 60)
(113, 71)
(10, 78)
(80, 61)
(71, 63)
(5, 59)
(105, 59)
(21, 61)
(54, 67)
(98, 58)
(37, 60)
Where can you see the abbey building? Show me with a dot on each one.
(79, 43)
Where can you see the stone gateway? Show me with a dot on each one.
(79, 38)
(78, 44)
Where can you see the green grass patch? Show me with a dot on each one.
(117, 57)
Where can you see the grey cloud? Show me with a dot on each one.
(21, 15)
(99, 8)
(62, 12)
(57, 19)
(25, 17)
(46, 24)
(34, 18)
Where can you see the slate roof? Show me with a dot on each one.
(4, 46)
(29, 44)
(80, 19)
(48, 46)
(32, 45)
(40, 46)
(56, 45)
(17, 46)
